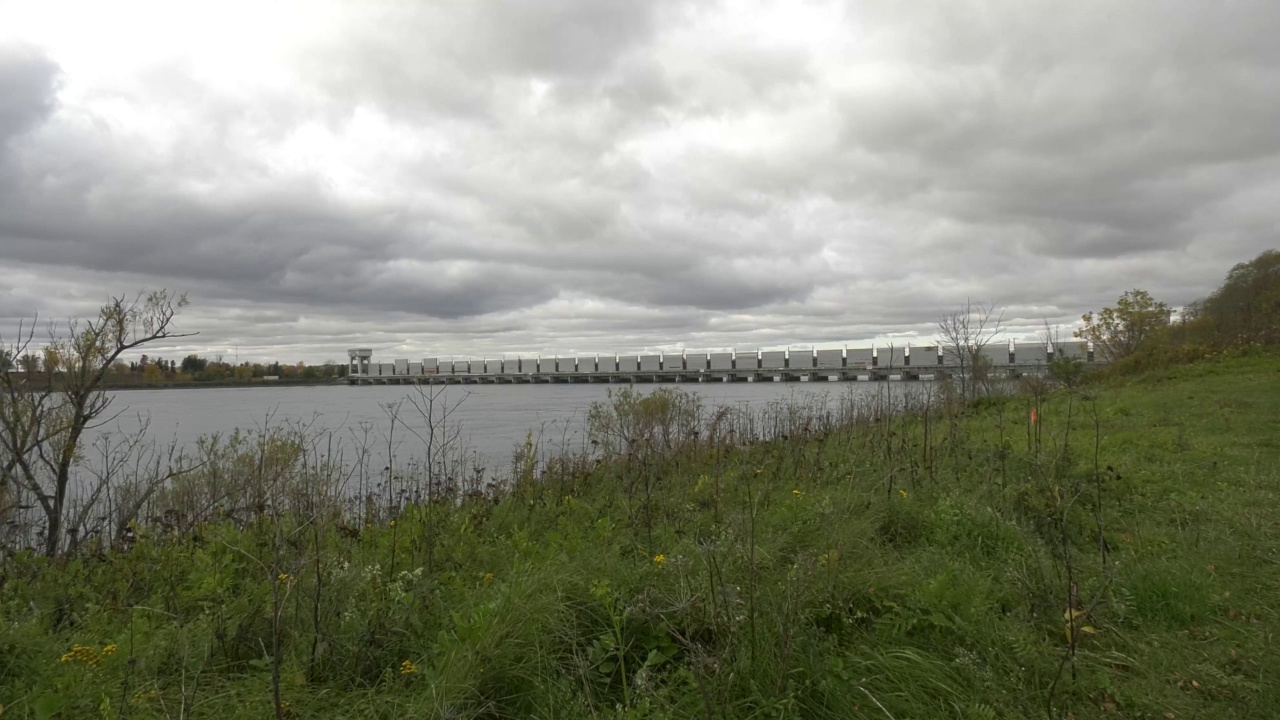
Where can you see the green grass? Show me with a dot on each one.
(860, 574)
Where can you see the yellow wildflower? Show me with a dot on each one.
(82, 654)
(659, 559)
(408, 668)
(903, 494)
(140, 697)
(109, 649)
(393, 523)
(798, 493)
(284, 578)
(1074, 618)
(488, 578)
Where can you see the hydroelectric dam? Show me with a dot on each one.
(925, 362)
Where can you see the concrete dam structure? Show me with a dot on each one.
(924, 362)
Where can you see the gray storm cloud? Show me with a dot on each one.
(583, 176)
(27, 90)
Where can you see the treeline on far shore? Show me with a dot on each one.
(192, 370)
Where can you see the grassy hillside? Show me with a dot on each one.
(1118, 557)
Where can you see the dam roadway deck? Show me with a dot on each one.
(811, 365)
(690, 376)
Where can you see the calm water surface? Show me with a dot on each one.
(493, 418)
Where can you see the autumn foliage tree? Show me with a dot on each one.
(1246, 309)
(44, 412)
(1117, 332)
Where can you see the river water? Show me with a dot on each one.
(493, 418)
(350, 428)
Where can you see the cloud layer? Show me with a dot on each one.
(582, 176)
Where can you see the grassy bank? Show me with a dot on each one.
(1115, 558)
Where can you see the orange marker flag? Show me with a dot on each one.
(1034, 417)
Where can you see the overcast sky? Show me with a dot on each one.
(481, 177)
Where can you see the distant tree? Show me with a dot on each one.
(194, 364)
(1118, 331)
(964, 334)
(42, 418)
(1062, 367)
(1247, 306)
(152, 374)
(215, 371)
(52, 359)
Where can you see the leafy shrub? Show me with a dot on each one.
(634, 422)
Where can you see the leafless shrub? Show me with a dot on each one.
(965, 333)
